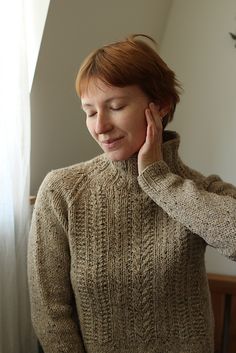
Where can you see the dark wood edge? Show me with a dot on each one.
(32, 200)
(223, 284)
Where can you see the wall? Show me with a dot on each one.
(197, 45)
(72, 30)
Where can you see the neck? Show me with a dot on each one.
(129, 167)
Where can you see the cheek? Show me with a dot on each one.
(139, 124)
(90, 128)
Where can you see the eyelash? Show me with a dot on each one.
(90, 115)
(119, 108)
(115, 109)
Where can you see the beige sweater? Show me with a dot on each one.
(116, 260)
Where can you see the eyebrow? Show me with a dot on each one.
(106, 101)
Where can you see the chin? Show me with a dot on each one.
(119, 156)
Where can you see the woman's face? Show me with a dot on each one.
(115, 117)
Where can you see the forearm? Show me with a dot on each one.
(57, 335)
(211, 216)
(53, 308)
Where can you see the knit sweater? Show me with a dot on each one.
(116, 259)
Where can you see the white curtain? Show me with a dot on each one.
(16, 333)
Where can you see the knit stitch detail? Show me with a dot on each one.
(116, 259)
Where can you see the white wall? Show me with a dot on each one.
(35, 17)
(197, 45)
(74, 28)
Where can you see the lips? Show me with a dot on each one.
(112, 143)
(109, 141)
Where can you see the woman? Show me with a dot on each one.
(117, 243)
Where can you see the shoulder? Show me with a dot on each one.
(64, 182)
(212, 183)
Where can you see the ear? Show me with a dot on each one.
(164, 110)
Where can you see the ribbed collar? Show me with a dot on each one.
(171, 142)
(129, 167)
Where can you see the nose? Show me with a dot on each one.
(103, 123)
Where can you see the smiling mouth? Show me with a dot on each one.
(112, 142)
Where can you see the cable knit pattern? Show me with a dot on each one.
(116, 260)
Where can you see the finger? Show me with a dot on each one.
(157, 127)
(154, 107)
(154, 120)
(157, 117)
(156, 112)
(151, 126)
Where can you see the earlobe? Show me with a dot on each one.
(164, 111)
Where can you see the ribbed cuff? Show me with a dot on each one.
(155, 171)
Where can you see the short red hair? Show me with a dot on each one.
(132, 62)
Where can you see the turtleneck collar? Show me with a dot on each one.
(171, 142)
(129, 167)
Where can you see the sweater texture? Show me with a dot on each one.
(116, 259)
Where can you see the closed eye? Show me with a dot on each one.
(118, 108)
(89, 115)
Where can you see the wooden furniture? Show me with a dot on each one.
(223, 294)
(32, 200)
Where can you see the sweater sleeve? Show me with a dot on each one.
(53, 309)
(208, 210)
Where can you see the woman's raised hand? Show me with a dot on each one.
(151, 150)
